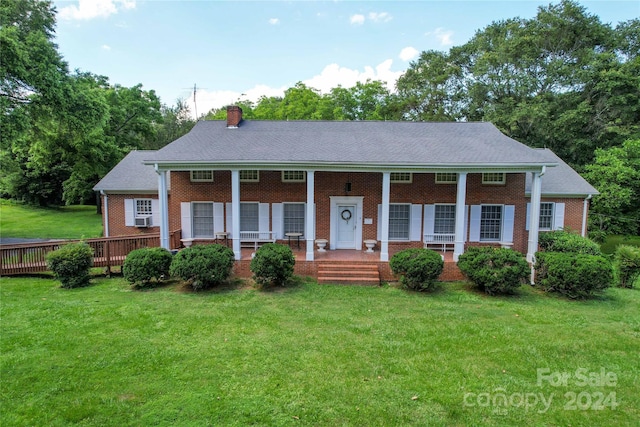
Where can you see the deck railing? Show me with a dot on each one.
(23, 258)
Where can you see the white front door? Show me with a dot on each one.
(346, 227)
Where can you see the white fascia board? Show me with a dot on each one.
(362, 167)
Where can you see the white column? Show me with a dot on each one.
(534, 217)
(384, 227)
(163, 202)
(235, 211)
(461, 196)
(310, 229)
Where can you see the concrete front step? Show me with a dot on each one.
(349, 273)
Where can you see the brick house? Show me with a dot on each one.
(350, 185)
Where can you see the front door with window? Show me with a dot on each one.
(346, 227)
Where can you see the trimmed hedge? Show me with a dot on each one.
(627, 265)
(272, 264)
(203, 265)
(565, 241)
(71, 263)
(418, 269)
(494, 270)
(143, 265)
(573, 275)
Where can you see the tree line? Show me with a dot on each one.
(562, 80)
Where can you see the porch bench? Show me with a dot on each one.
(255, 238)
(440, 241)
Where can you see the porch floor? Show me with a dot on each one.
(341, 255)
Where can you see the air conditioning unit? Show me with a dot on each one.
(144, 221)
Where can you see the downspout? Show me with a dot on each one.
(585, 210)
(533, 257)
(106, 213)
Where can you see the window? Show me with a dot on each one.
(446, 177)
(293, 214)
(249, 176)
(494, 178)
(294, 176)
(249, 220)
(546, 216)
(399, 222)
(491, 222)
(202, 176)
(445, 219)
(143, 208)
(202, 219)
(401, 177)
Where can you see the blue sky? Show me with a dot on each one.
(233, 49)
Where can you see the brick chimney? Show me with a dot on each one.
(234, 116)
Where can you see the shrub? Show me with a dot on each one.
(203, 265)
(494, 270)
(418, 269)
(272, 264)
(573, 275)
(627, 265)
(566, 241)
(143, 265)
(71, 263)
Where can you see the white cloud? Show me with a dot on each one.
(444, 36)
(89, 9)
(380, 17)
(408, 53)
(207, 100)
(106, 47)
(274, 21)
(333, 75)
(357, 19)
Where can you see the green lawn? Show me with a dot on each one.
(67, 222)
(314, 355)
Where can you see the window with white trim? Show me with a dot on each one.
(494, 178)
(546, 216)
(249, 175)
(294, 176)
(202, 176)
(446, 177)
(401, 177)
(143, 208)
(249, 216)
(202, 219)
(293, 215)
(444, 219)
(399, 221)
(491, 223)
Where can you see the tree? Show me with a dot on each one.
(26, 34)
(430, 90)
(364, 101)
(616, 175)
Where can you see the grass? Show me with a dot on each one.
(311, 354)
(67, 222)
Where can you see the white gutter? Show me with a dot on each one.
(106, 213)
(585, 210)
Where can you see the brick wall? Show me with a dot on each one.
(271, 189)
(117, 225)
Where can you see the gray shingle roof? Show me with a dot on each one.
(378, 143)
(561, 180)
(130, 175)
(347, 143)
